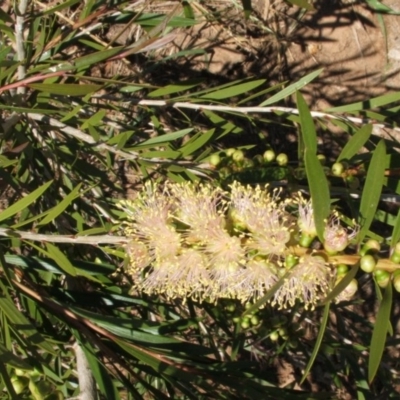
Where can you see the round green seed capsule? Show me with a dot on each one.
(337, 169)
(215, 159)
(245, 324)
(229, 152)
(305, 240)
(254, 320)
(291, 260)
(269, 156)
(274, 336)
(238, 156)
(395, 257)
(396, 282)
(367, 263)
(342, 270)
(282, 159)
(230, 307)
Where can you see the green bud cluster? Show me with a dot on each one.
(235, 160)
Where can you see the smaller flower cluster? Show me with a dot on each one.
(202, 242)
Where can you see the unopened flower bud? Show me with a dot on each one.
(367, 263)
(282, 159)
(396, 281)
(215, 159)
(238, 156)
(395, 257)
(382, 277)
(274, 336)
(290, 261)
(229, 152)
(371, 246)
(341, 270)
(337, 169)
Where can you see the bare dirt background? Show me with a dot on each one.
(279, 43)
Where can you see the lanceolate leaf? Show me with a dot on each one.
(380, 332)
(356, 142)
(292, 88)
(67, 89)
(233, 91)
(318, 342)
(24, 202)
(61, 206)
(372, 189)
(308, 132)
(368, 104)
(319, 190)
(61, 259)
(396, 231)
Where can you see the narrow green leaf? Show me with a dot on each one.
(247, 8)
(233, 91)
(95, 120)
(60, 207)
(396, 231)
(268, 296)
(355, 143)
(94, 58)
(18, 320)
(168, 137)
(151, 19)
(25, 202)
(167, 155)
(65, 89)
(381, 8)
(197, 142)
(380, 332)
(303, 4)
(309, 134)
(317, 342)
(59, 257)
(367, 104)
(59, 7)
(372, 189)
(319, 190)
(292, 88)
(187, 9)
(171, 89)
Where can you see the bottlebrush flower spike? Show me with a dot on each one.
(202, 242)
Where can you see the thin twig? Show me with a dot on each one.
(20, 43)
(39, 237)
(78, 134)
(254, 110)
